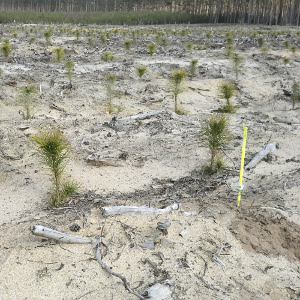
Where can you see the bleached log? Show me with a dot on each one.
(137, 210)
(290, 121)
(261, 154)
(142, 116)
(46, 232)
(111, 162)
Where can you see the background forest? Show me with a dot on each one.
(270, 12)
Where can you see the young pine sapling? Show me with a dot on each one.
(27, 100)
(141, 70)
(227, 92)
(110, 80)
(215, 136)
(295, 93)
(177, 86)
(69, 65)
(54, 151)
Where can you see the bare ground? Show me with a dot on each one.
(227, 253)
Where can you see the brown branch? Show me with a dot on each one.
(107, 269)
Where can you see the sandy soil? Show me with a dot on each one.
(227, 253)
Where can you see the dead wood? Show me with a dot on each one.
(111, 162)
(43, 231)
(289, 121)
(107, 269)
(103, 158)
(137, 210)
(261, 154)
(142, 116)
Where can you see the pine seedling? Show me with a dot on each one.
(287, 44)
(261, 42)
(176, 86)
(189, 46)
(294, 49)
(208, 34)
(107, 56)
(59, 54)
(264, 50)
(110, 80)
(47, 35)
(229, 50)
(6, 48)
(151, 48)
(27, 100)
(103, 38)
(54, 151)
(229, 38)
(127, 44)
(215, 136)
(227, 92)
(193, 68)
(141, 70)
(237, 62)
(164, 43)
(285, 60)
(69, 65)
(77, 34)
(295, 93)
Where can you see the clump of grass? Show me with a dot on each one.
(215, 136)
(141, 70)
(227, 90)
(151, 48)
(54, 151)
(59, 54)
(27, 100)
(107, 56)
(176, 86)
(295, 93)
(6, 48)
(69, 65)
(193, 68)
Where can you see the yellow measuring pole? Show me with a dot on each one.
(240, 187)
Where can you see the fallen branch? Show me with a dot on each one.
(137, 210)
(43, 231)
(142, 116)
(261, 154)
(107, 269)
(287, 120)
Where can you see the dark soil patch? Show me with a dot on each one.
(267, 232)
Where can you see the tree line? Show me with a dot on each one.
(270, 12)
